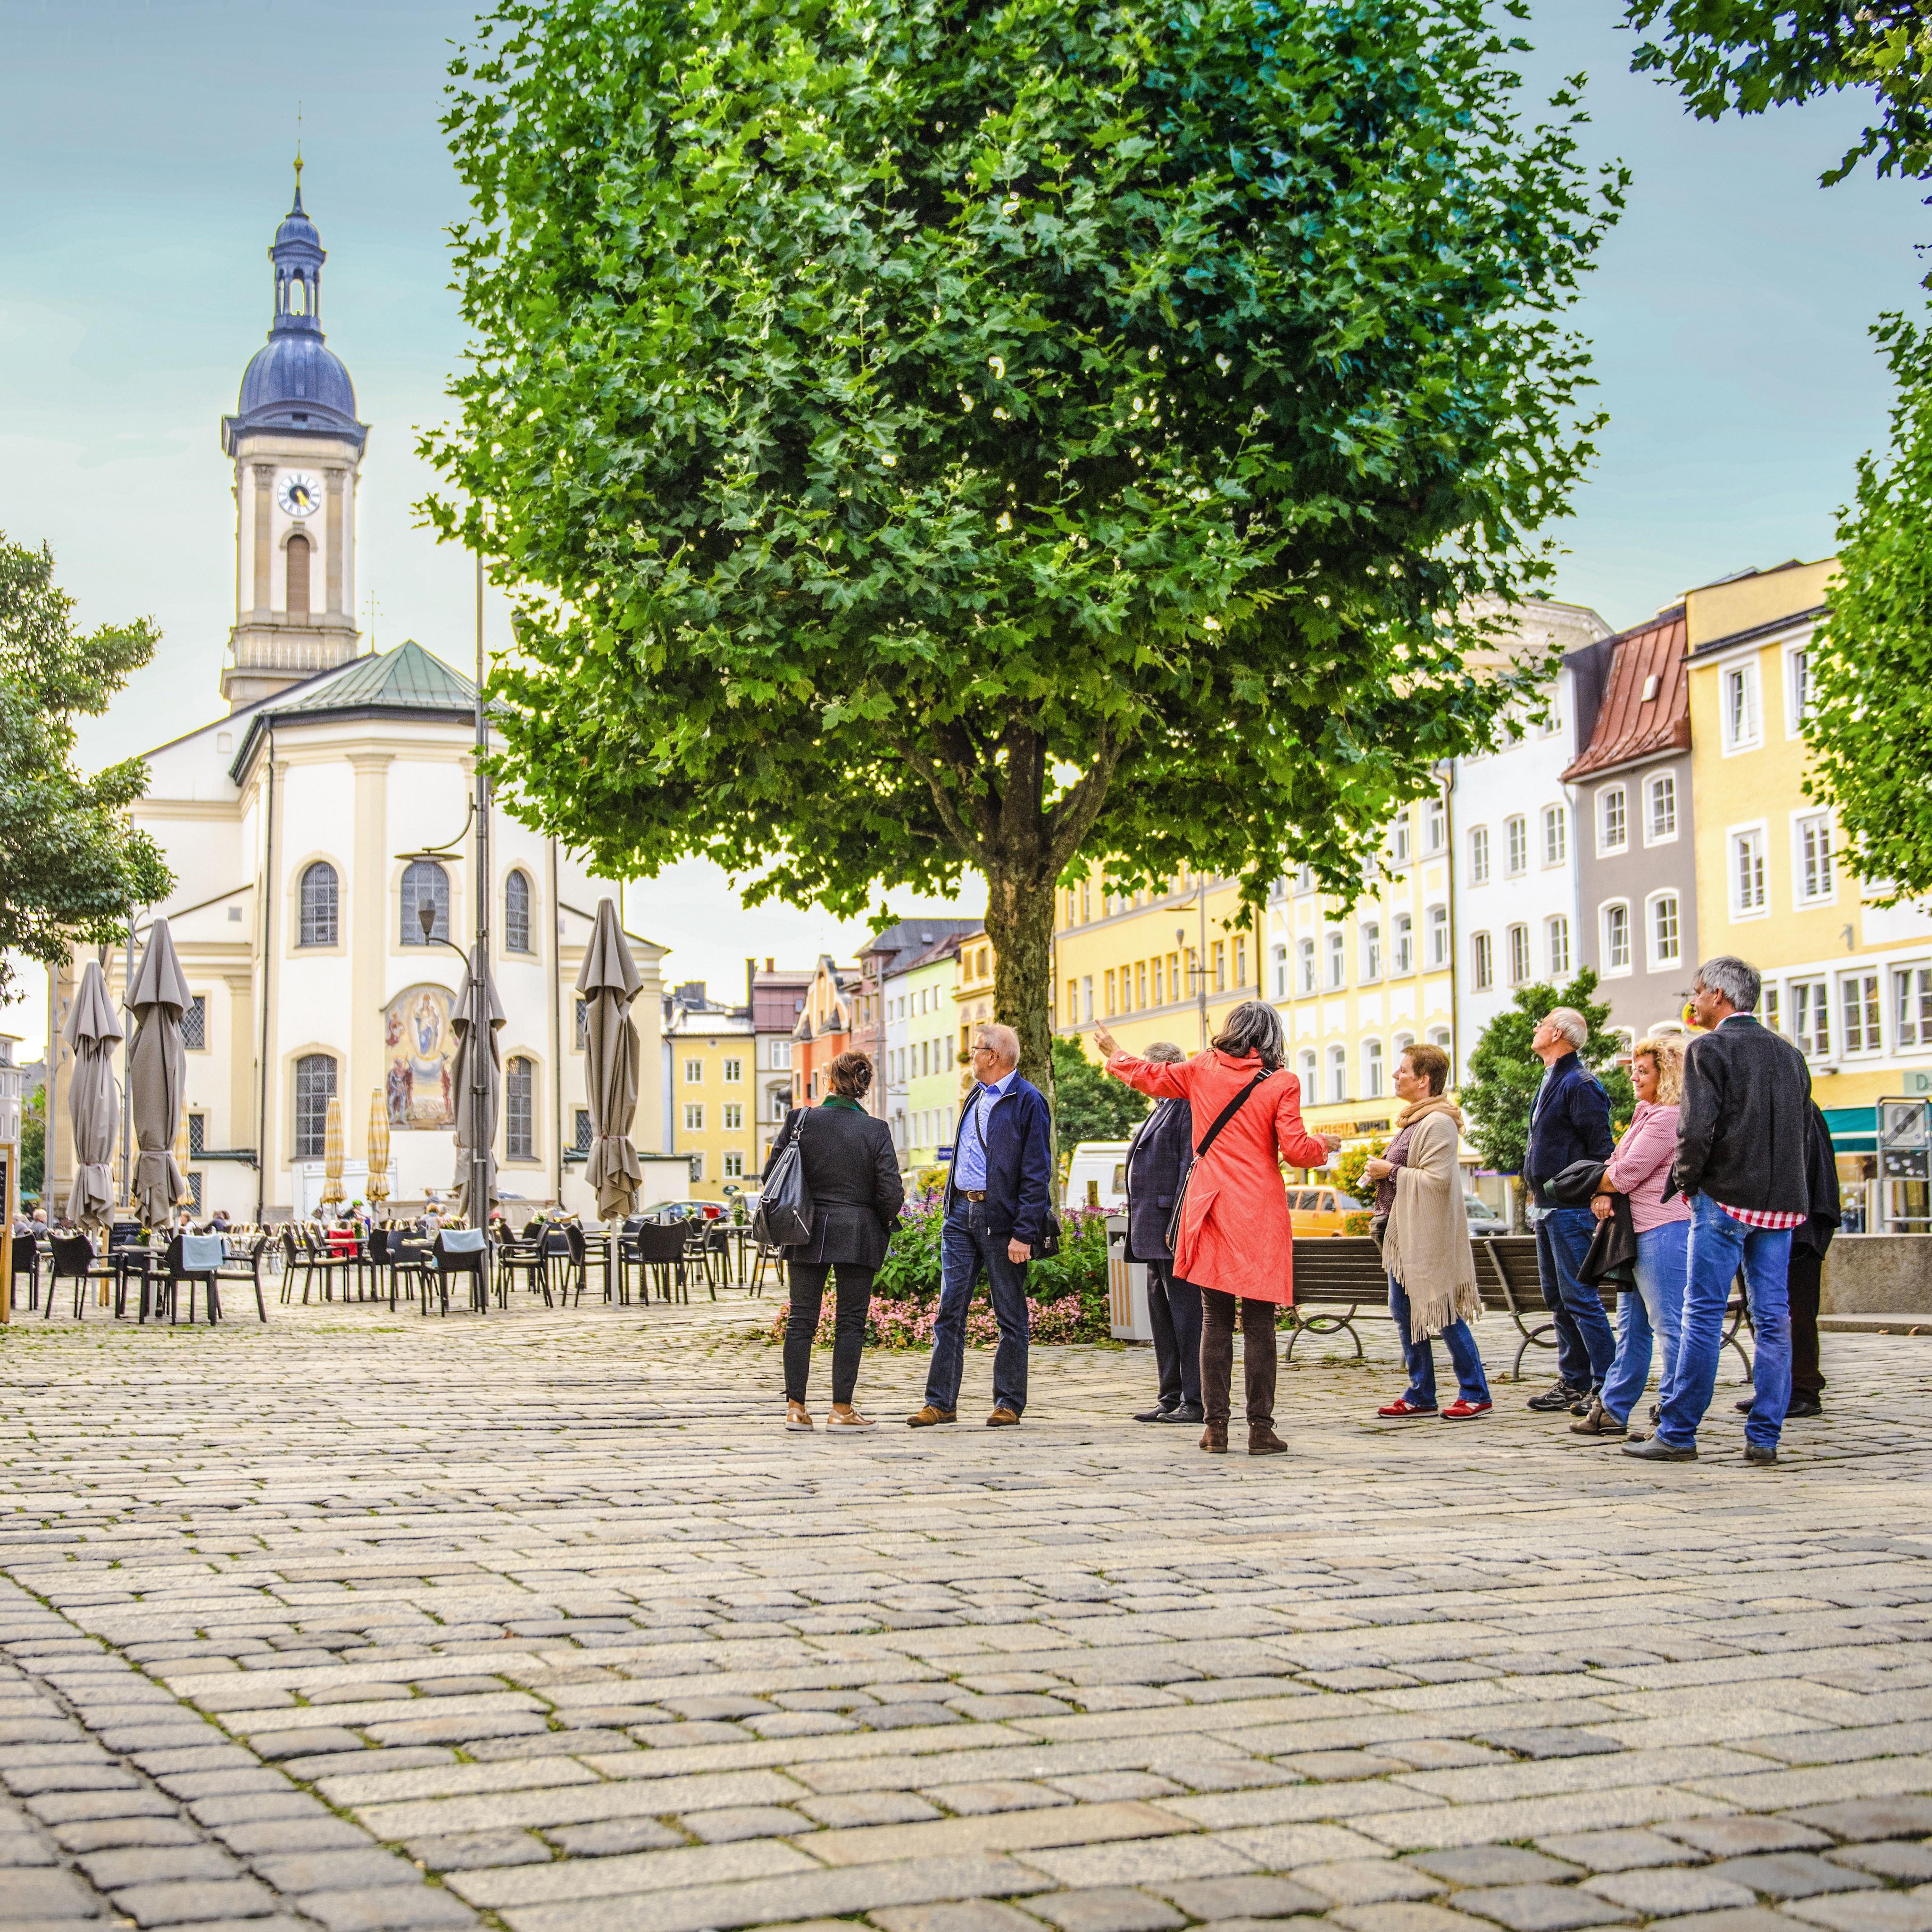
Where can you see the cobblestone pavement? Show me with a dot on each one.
(543, 1622)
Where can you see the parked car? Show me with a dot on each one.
(687, 1210)
(1483, 1218)
(1322, 1210)
(1096, 1176)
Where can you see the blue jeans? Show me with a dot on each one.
(1656, 1309)
(1719, 1247)
(965, 1250)
(1472, 1383)
(1585, 1346)
(1173, 1314)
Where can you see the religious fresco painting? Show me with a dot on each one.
(419, 1048)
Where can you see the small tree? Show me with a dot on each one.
(33, 1140)
(1504, 1074)
(70, 866)
(1089, 1104)
(1352, 1159)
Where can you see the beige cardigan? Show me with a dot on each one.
(1426, 1246)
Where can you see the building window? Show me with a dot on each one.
(1219, 955)
(1666, 946)
(1240, 959)
(1438, 936)
(581, 1011)
(197, 1134)
(733, 1071)
(298, 577)
(1768, 1007)
(1912, 1006)
(693, 1073)
(734, 1166)
(1338, 1073)
(194, 1193)
(1141, 986)
(781, 1053)
(318, 926)
(1073, 1003)
(1747, 894)
(1518, 941)
(1516, 845)
(696, 1167)
(1555, 834)
(780, 1104)
(1661, 812)
(1613, 819)
(194, 1024)
(1372, 951)
(1405, 942)
(1399, 840)
(1798, 670)
(1814, 858)
(734, 1117)
(1479, 855)
(1338, 965)
(315, 1087)
(1858, 1011)
(581, 1141)
(1372, 1070)
(1111, 1009)
(1086, 997)
(1743, 728)
(1616, 939)
(1811, 1017)
(1281, 972)
(1482, 961)
(424, 883)
(1308, 1076)
(520, 1082)
(516, 912)
(1557, 930)
(694, 1116)
(1434, 829)
(1305, 948)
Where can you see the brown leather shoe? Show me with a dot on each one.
(1599, 1422)
(1262, 1441)
(928, 1415)
(1214, 1438)
(1003, 1418)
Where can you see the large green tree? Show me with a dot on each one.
(929, 435)
(1088, 1104)
(71, 864)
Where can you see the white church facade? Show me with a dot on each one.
(296, 825)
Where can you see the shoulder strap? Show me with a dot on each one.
(1227, 1113)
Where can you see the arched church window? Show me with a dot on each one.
(319, 905)
(424, 883)
(516, 912)
(315, 1087)
(298, 293)
(520, 1086)
(298, 577)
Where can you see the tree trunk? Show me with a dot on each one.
(1019, 922)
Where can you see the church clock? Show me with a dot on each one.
(301, 496)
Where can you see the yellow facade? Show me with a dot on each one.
(1849, 982)
(972, 997)
(933, 1071)
(713, 1085)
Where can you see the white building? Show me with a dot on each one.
(289, 824)
(1515, 839)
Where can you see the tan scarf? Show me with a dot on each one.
(1419, 1110)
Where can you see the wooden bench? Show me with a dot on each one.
(1345, 1273)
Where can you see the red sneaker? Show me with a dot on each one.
(1461, 1412)
(1396, 1410)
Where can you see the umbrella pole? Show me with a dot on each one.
(127, 1070)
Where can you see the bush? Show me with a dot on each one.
(1357, 1224)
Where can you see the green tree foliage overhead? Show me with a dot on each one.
(70, 866)
(1088, 1104)
(926, 435)
(1504, 1074)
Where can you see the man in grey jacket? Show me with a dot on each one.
(1157, 1161)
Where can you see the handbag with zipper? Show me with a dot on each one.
(1221, 1120)
(783, 1218)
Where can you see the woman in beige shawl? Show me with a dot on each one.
(1425, 1242)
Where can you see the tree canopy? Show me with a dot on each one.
(927, 435)
(1088, 1104)
(70, 866)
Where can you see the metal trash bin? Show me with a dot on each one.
(1127, 1287)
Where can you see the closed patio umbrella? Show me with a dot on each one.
(379, 1150)
(93, 1030)
(476, 1113)
(332, 1193)
(609, 981)
(157, 1075)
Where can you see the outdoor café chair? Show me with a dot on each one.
(73, 1256)
(247, 1267)
(664, 1250)
(193, 1258)
(408, 1259)
(27, 1262)
(462, 1251)
(523, 1254)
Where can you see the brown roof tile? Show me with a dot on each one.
(1629, 725)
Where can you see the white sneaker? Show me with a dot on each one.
(853, 1420)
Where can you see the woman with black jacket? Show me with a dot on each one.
(851, 1172)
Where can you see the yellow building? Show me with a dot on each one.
(1850, 983)
(710, 1085)
(930, 1072)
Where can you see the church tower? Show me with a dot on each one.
(297, 449)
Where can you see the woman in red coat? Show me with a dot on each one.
(1235, 1241)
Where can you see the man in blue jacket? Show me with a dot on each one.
(1569, 1120)
(998, 1195)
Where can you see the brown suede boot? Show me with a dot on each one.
(1262, 1441)
(1214, 1438)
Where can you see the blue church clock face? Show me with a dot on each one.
(301, 496)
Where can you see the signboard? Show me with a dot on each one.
(1918, 1081)
(1905, 1139)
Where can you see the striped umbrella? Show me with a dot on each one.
(181, 1155)
(379, 1150)
(331, 1155)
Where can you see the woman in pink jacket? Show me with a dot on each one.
(1639, 1169)
(1236, 1242)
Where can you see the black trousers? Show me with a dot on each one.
(1173, 1314)
(1803, 1280)
(1219, 1314)
(848, 1339)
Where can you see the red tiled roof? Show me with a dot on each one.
(1629, 725)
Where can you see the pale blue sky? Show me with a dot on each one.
(144, 147)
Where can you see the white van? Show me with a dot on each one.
(1097, 1176)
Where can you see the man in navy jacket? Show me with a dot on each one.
(998, 1192)
(1161, 1152)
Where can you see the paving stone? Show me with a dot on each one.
(473, 1851)
(250, 1807)
(869, 1807)
(459, 1729)
(1104, 1909)
(1738, 1919)
(169, 1902)
(1491, 1865)
(103, 1835)
(1615, 1851)
(1538, 1908)
(1862, 1819)
(1549, 1740)
(904, 1717)
(136, 1801)
(291, 1835)
(33, 1780)
(1096, 1787)
(47, 1895)
(387, 1909)
(1792, 1875)
(971, 1915)
(1248, 1897)
(145, 1864)
(1866, 1911)
(613, 1837)
(1909, 1864)
(296, 1873)
(18, 1849)
(1661, 1893)
(975, 1800)
(1340, 1764)
(1734, 1837)
(731, 1822)
(366, 1761)
(274, 1746)
(1399, 1915)
(1368, 1881)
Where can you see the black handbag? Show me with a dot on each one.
(1221, 1120)
(783, 1216)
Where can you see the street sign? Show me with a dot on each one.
(1905, 1139)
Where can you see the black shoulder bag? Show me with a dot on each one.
(783, 1217)
(1226, 1114)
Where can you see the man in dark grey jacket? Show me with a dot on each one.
(1159, 1158)
(1741, 1137)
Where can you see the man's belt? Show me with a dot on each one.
(971, 1193)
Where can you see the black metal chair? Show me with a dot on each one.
(175, 1271)
(463, 1259)
(574, 1265)
(27, 1262)
(73, 1256)
(408, 1260)
(665, 1252)
(247, 1266)
(525, 1254)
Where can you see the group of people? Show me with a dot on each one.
(1726, 1166)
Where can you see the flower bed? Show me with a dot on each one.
(1067, 1300)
